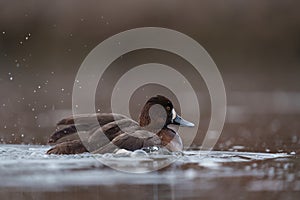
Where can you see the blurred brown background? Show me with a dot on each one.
(255, 44)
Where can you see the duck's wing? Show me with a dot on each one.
(84, 122)
(103, 135)
(131, 141)
(95, 136)
(70, 147)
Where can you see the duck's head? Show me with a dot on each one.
(159, 112)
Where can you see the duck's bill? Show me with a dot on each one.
(182, 122)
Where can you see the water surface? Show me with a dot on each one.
(27, 172)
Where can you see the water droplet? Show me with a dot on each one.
(34, 91)
(21, 42)
(33, 109)
(62, 89)
(3, 32)
(22, 135)
(26, 38)
(11, 78)
(39, 86)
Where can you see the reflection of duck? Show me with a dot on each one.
(122, 132)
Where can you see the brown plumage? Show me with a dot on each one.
(116, 131)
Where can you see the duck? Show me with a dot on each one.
(116, 131)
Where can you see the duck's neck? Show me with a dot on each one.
(152, 118)
(145, 119)
(152, 125)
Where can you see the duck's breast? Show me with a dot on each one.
(170, 139)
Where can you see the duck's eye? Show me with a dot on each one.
(168, 108)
